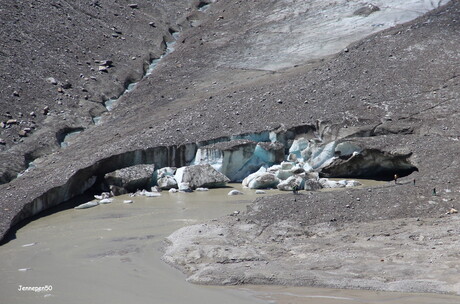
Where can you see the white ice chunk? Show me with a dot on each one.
(250, 177)
(264, 181)
(299, 145)
(105, 201)
(235, 192)
(323, 154)
(87, 205)
(288, 184)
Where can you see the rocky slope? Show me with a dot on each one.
(396, 91)
(61, 60)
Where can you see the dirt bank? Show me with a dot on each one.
(341, 239)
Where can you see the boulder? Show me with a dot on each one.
(115, 190)
(167, 182)
(292, 157)
(204, 176)
(291, 182)
(131, 178)
(366, 10)
(312, 185)
(260, 192)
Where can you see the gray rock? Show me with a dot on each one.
(201, 176)
(52, 80)
(115, 190)
(312, 185)
(292, 157)
(366, 10)
(131, 178)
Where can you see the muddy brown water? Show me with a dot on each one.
(110, 254)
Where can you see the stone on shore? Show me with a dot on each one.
(312, 185)
(131, 178)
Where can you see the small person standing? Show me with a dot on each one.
(396, 178)
(295, 189)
